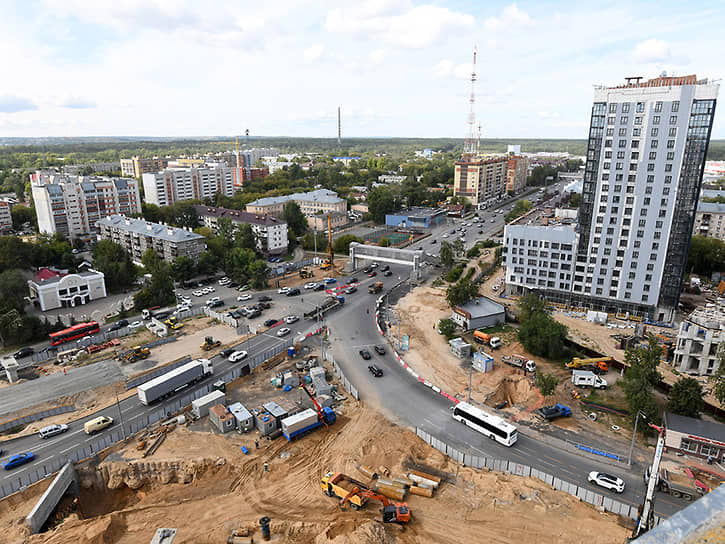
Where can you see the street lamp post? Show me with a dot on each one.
(634, 435)
(120, 416)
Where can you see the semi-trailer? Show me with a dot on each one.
(330, 304)
(175, 379)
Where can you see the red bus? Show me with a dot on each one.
(76, 331)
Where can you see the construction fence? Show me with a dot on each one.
(36, 416)
(511, 467)
(347, 384)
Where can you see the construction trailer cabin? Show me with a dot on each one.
(200, 407)
(220, 418)
(243, 417)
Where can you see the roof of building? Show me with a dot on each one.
(712, 317)
(419, 212)
(481, 307)
(237, 216)
(696, 427)
(320, 195)
(220, 411)
(275, 409)
(711, 207)
(156, 230)
(48, 272)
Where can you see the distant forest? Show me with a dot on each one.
(34, 152)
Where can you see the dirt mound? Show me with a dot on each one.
(513, 390)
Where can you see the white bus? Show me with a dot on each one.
(492, 426)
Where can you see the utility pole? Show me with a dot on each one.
(470, 378)
(634, 435)
(120, 416)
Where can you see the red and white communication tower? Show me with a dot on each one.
(473, 133)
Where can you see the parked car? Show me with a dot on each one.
(197, 293)
(293, 292)
(365, 354)
(18, 459)
(245, 296)
(291, 319)
(283, 290)
(380, 350)
(607, 481)
(224, 281)
(244, 287)
(235, 314)
(283, 331)
(310, 285)
(212, 300)
(271, 322)
(216, 303)
(385, 268)
(23, 352)
(135, 324)
(254, 312)
(52, 430)
(367, 269)
(118, 325)
(237, 356)
(375, 371)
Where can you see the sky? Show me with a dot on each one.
(397, 68)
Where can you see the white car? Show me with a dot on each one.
(212, 300)
(445, 235)
(607, 481)
(185, 300)
(311, 285)
(244, 296)
(283, 331)
(291, 319)
(224, 281)
(283, 290)
(135, 324)
(198, 293)
(237, 356)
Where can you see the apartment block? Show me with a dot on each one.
(269, 231)
(193, 183)
(138, 235)
(710, 220)
(6, 219)
(645, 158)
(319, 201)
(517, 171)
(136, 166)
(483, 179)
(72, 205)
(698, 340)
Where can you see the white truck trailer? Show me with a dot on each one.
(174, 380)
(587, 378)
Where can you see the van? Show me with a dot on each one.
(52, 430)
(97, 424)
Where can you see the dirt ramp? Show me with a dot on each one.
(512, 390)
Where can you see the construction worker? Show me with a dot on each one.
(256, 444)
(266, 466)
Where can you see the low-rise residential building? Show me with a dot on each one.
(479, 313)
(391, 178)
(138, 235)
(270, 232)
(698, 340)
(192, 183)
(6, 218)
(320, 222)
(52, 288)
(710, 220)
(416, 218)
(704, 439)
(360, 207)
(310, 203)
(72, 205)
(95, 167)
(136, 167)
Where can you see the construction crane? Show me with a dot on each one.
(646, 518)
(329, 238)
(393, 512)
(318, 408)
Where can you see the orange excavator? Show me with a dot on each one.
(393, 512)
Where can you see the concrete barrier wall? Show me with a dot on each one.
(349, 387)
(36, 416)
(47, 503)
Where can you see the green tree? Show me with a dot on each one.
(111, 259)
(519, 209)
(150, 212)
(258, 274)
(380, 202)
(546, 383)
(185, 215)
(295, 219)
(237, 264)
(341, 244)
(686, 398)
(13, 288)
(183, 268)
(207, 263)
(160, 291)
(575, 200)
(23, 214)
(384, 242)
(640, 378)
(447, 328)
(226, 230)
(458, 247)
(718, 379)
(245, 238)
(446, 254)
(308, 241)
(461, 292)
(707, 255)
(540, 333)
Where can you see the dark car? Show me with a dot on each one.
(380, 350)
(118, 325)
(367, 269)
(235, 314)
(372, 274)
(264, 305)
(271, 322)
(387, 273)
(264, 298)
(216, 303)
(226, 352)
(385, 268)
(164, 315)
(293, 292)
(350, 290)
(320, 287)
(433, 241)
(365, 354)
(19, 459)
(254, 313)
(23, 352)
(375, 371)
(480, 232)
(353, 280)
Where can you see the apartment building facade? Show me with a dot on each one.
(192, 183)
(517, 171)
(483, 179)
(710, 220)
(136, 167)
(698, 340)
(73, 205)
(321, 201)
(6, 219)
(646, 153)
(270, 232)
(138, 235)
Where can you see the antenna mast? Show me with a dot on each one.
(471, 142)
(339, 128)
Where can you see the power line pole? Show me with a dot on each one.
(120, 416)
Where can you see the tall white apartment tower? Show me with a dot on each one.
(645, 159)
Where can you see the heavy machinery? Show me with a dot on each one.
(305, 273)
(599, 365)
(375, 287)
(393, 512)
(174, 323)
(552, 412)
(646, 517)
(325, 415)
(210, 343)
(136, 353)
(677, 484)
(330, 303)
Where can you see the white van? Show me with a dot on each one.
(97, 424)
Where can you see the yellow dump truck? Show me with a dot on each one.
(337, 484)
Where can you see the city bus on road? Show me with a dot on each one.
(494, 427)
(76, 331)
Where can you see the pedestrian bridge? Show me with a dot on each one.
(362, 255)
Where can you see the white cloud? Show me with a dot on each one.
(16, 104)
(448, 69)
(548, 114)
(511, 18)
(77, 103)
(398, 23)
(377, 56)
(314, 52)
(653, 50)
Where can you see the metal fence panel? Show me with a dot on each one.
(36, 416)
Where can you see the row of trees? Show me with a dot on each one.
(707, 255)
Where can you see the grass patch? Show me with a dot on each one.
(500, 328)
(611, 398)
